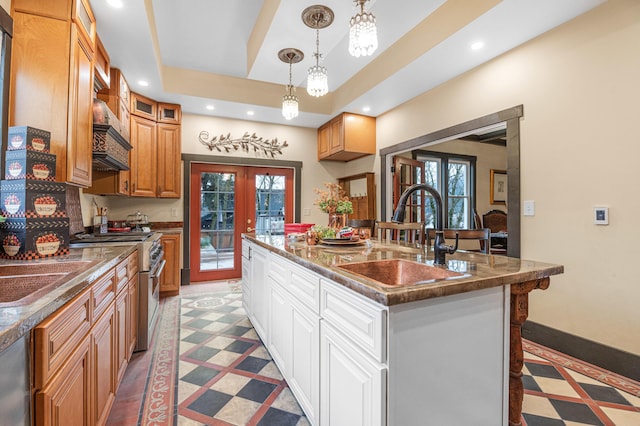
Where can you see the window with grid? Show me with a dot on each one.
(454, 178)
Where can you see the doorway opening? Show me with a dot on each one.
(510, 118)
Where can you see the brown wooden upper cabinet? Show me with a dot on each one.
(157, 147)
(101, 66)
(117, 97)
(144, 107)
(52, 79)
(347, 137)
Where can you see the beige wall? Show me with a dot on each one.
(579, 88)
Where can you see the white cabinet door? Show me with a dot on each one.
(304, 378)
(352, 385)
(259, 292)
(280, 327)
(246, 276)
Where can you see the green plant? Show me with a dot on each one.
(324, 232)
(334, 199)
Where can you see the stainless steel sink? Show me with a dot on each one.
(24, 283)
(399, 272)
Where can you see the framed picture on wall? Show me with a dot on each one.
(498, 187)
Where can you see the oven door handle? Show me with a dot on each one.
(159, 269)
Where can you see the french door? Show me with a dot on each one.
(227, 200)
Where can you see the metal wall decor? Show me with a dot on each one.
(245, 143)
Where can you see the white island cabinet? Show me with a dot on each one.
(352, 361)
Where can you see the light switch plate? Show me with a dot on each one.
(306, 212)
(601, 215)
(529, 208)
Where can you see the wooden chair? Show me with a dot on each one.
(481, 235)
(496, 221)
(409, 232)
(362, 224)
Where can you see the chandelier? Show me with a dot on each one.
(290, 101)
(363, 35)
(317, 17)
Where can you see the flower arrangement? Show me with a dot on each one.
(333, 200)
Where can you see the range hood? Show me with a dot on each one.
(110, 140)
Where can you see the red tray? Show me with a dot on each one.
(296, 227)
(126, 229)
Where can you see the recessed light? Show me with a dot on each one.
(143, 83)
(477, 45)
(210, 107)
(250, 112)
(115, 3)
(366, 109)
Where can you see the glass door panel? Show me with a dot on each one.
(217, 220)
(269, 205)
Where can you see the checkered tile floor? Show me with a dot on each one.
(226, 375)
(555, 395)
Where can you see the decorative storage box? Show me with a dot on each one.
(34, 238)
(30, 165)
(33, 198)
(30, 138)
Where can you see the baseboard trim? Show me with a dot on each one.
(185, 276)
(624, 363)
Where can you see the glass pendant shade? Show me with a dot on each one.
(289, 105)
(290, 101)
(363, 35)
(317, 81)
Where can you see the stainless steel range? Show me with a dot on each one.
(151, 263)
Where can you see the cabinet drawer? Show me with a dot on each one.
(121, 275)
(56, 338)
(305, 286)
(102, 293)
(132, 266)
(246, 250)
(360, 320)
(279, 269)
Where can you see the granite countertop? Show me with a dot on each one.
(18, 320)
(481, 271)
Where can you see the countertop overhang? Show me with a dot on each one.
(481, 271)
(16, 321)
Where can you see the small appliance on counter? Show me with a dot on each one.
(138, 222)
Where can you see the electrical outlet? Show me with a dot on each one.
(306, 212)
(529, 208)
(174, 212)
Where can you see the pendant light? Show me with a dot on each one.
(317, 17)
(290, 100)
(363, 35)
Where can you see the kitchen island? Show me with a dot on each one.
(355, 350)
(33, 294)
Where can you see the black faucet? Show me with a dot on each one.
(439, 246)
